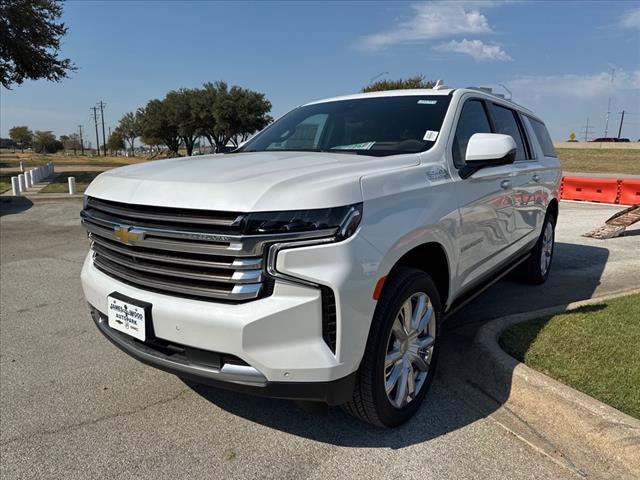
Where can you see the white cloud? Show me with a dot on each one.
(433, 20)
(582, 86)
(630, 19)
(481, 52)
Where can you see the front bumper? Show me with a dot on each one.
(230, 376)
(279, 338)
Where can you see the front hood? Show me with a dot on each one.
(245, 182)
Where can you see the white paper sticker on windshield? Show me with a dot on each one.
(430, 136)
(355, 146)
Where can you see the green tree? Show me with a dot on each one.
(180, 106)
(30, 46)
(129, 128)
(44, 141)
(21, 136)
(157, 123)
(71, 142)
(115, 142)
(230, 114)
(401, 84)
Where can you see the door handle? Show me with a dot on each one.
(536, 177)
(505, 184)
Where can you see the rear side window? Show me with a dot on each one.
(473, 119)
(507, 124)
(542, 134)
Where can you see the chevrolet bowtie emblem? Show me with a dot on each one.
(126, 235)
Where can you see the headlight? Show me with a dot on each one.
(343, 221)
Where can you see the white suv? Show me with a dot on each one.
(318, 261)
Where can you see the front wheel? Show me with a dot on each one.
(400, 358)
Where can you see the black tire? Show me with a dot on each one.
(370, 401)
(531, 271)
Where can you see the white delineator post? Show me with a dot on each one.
(15, 187)
(21, 166)
(72, 185)
(30, 177)
(21, 183)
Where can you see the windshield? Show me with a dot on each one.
(368, 126)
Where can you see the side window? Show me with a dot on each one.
(543, 138)
(473, 119)
(507, 124)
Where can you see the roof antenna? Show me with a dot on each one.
(439, 85)
(508, 91)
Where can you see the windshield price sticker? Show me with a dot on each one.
(430, 136)
(427, 102)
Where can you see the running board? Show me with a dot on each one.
(474, 292)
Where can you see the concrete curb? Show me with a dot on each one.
(587, 436)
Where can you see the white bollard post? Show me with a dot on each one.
(21, 166)
(72, 185)
(28, 176)
(36, 175)
(21, 183)
(15, 187)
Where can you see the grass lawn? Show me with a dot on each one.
(595, 349)
(5, 181)
(60, 184)
(600, 160)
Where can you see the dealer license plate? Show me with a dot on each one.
(127, 318)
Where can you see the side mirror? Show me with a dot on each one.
(488, 150)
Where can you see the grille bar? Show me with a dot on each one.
(248, 276)
(120, 210)
(237, 292)
(225, 263)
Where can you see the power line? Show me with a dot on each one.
(587, 131)
(606, 124)
(104, 140)
(621, 121)
(95, 121)
(81, 142)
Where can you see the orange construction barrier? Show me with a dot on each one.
(629, 192)
(604, 190)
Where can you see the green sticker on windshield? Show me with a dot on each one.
(427, 102)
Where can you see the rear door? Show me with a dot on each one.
(525, 179)
(484, 200)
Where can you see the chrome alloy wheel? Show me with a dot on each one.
(547, 248)
(409, 349)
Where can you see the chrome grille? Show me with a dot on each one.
(176, 251)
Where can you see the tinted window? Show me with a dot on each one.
(506, 123)
(367, 126)
(543, 138)
(473, 119)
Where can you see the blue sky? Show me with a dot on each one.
(556, 57)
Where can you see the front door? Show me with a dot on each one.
(484, 199)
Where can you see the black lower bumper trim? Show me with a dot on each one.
(333, 393)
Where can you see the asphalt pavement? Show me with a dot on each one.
(73, 406)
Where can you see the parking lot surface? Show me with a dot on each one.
(73, 406)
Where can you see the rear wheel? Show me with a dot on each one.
(536, 269)
(399, 361)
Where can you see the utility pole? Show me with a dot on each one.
(104, 139)
(606, 124)
(621, 120)
(587, 131)
(81, 142)
(95, 121)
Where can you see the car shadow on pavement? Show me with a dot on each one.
(12, 205)
(461, 394)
